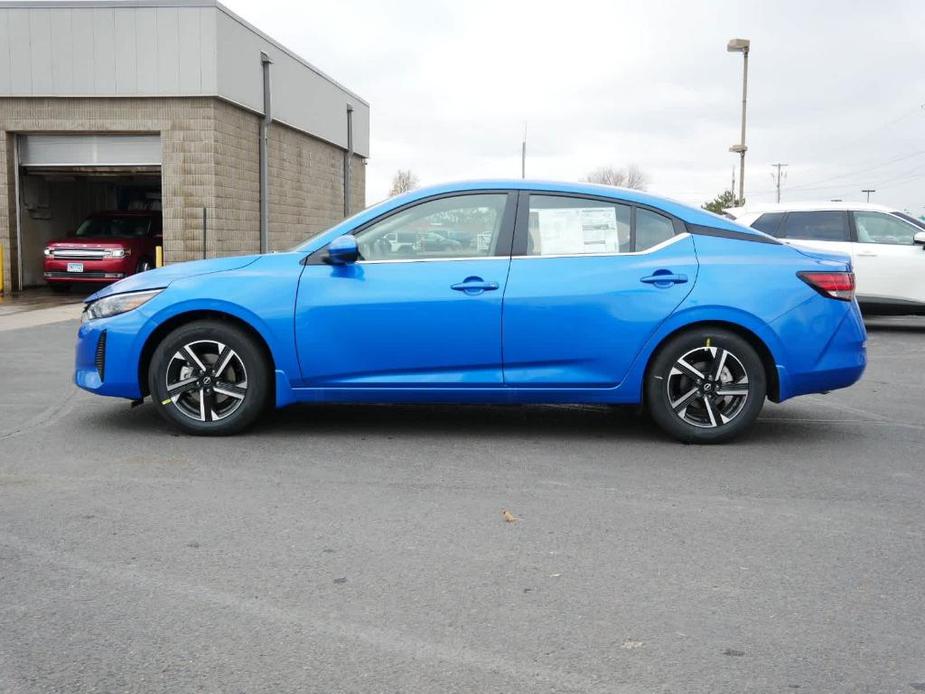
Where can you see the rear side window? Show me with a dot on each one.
(816, 226)
(651, 229)
(769, 222)
(560, 225)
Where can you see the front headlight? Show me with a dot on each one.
(119, 252)
(118, 303)
(49, 252)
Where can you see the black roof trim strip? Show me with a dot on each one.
(729, 234)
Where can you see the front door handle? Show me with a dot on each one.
(867, 254)
(474, 285)
(664, 278)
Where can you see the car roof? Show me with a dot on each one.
(684, 212)
(821, 205)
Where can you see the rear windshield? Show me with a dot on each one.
(117, 227)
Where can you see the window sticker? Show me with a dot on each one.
(577, 230)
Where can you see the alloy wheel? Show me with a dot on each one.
(707, 387)
(206, 380)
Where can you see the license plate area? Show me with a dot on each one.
(75, 267)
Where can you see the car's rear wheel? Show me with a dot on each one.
(209, 378)
(706, 386)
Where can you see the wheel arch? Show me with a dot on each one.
(181, 319)
(764, 352)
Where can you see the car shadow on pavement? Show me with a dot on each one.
(624, 424)
(904, 324)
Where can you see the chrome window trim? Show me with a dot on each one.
(432, 260)
(657, 247)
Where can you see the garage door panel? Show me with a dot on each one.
(90, 150)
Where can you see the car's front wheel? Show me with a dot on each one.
(706, 386)
(209, 378)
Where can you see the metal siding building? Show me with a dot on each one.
(109, 101)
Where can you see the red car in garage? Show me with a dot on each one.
(105, 247)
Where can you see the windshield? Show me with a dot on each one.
(356, 215)
(114, 226)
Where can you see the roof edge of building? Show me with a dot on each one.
(88, 4)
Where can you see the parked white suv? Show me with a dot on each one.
(887, 247)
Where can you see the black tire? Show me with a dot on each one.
(221, 399)
(710, 409)
(60, 287)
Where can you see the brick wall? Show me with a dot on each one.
(210, 159)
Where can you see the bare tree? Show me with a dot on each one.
(636, 178)
(403, 181)
(630, 177)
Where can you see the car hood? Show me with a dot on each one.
(163, 276)
(92, 241)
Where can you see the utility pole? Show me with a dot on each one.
(778, 167)
(523, 154)
(733, 188)
(741, 46)
(868, 191)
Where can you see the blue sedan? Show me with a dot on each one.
(502, 291)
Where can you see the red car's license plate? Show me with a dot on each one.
(75, 267)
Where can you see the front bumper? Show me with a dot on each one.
(111, 368)
(105, 270)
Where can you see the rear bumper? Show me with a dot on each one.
(840, 363)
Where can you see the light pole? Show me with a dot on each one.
(741, 46)
(868, 191)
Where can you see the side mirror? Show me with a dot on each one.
(343, 251)
(919, 238)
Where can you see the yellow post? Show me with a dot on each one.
(158, 258)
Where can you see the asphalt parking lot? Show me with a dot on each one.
(363, 549)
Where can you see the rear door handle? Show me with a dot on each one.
(868, 255)
(474, 285)
(664, 279)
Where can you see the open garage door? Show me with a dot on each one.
(64, 179)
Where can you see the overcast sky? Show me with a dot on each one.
(836, 89)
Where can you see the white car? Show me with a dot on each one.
(887, 247)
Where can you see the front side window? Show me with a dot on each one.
(463, 226)
(816, 226)
(561, 225)
(877, 227)
(909, 218)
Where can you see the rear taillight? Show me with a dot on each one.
(835, 285)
